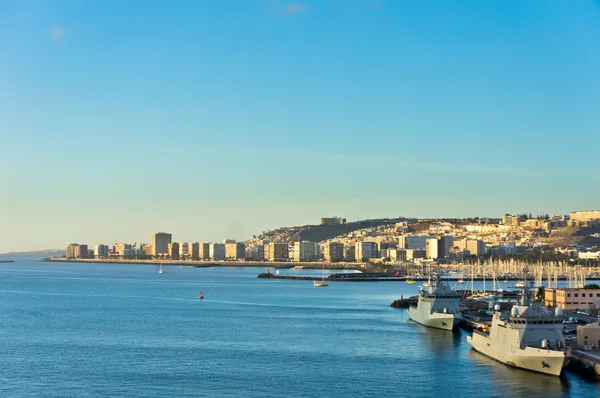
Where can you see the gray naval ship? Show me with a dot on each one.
(437, 306)
(528, 337)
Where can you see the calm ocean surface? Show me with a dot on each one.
(124, 330)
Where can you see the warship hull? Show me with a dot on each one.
(434, 320)
(539, 360)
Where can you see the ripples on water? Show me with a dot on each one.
(97, 330)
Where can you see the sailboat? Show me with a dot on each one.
(161, 271)
(322, 283)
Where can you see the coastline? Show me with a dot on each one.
(208, 264)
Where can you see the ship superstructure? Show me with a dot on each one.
(438, 306)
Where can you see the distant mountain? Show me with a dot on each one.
(34, 254)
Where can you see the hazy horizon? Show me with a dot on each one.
(213, 120)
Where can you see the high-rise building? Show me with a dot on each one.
(184, 249)
(350, 253)
(276, 251)
(173, 250)
(398, 254)
(72, 250)
(431, 248)
(413, 254)
(147, 249)
(235, 251)
(217, 251)
(204, 251)
(333, 252)
(445, 244)
(383, 248)
(306, 251)
(82, 251)
(160, 243)
(416, 241)
(194, 250)
(121, 247)
(365, 251)
(402, 242)
(476, 247)
(256, 253)
(100, 251)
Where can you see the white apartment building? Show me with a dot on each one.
(365, 250)
(306, 251)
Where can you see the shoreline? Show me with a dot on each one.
(208, 264)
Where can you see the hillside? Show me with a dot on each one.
(572, 236)
(319, 233)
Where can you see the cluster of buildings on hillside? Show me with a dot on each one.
(440, 240)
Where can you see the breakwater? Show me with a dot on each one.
(359, 277)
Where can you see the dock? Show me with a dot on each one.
(586, 363)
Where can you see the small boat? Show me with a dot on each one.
(460, 281)
(201, 296)
(161, 270)
(520, 284)
(322, 283)
(410, 281)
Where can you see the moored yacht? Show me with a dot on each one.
(528, 337)
(437, 306)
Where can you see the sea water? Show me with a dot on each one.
(69, 329)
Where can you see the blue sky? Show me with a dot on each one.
(223, 119)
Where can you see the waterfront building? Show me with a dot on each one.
(194, 250)
(414, 254)
(173, 250)
(383, 248)
(160, 243)
(588, 336)
(184, 249)
(120, 248)
(350, 253)
(476, 247)
(83, 251)
(589, 255)
(431, 248)
(276, 251)
(217, 251)
(235, 251)
(333, 221)
(398, 254)
(256, 253)
(333, 252)
(72, 250)
(100, 251)
(204, 251)
(571, 298)
(306, 251)
(366, 251)
(147, 249)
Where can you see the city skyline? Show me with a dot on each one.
(222, 120)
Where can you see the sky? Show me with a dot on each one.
(223, 119)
